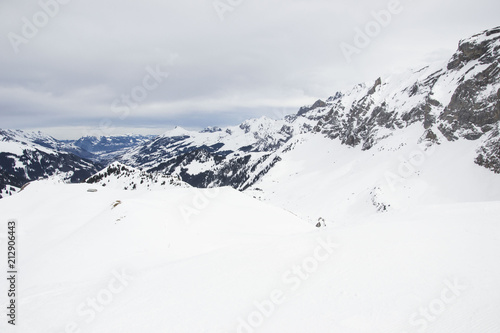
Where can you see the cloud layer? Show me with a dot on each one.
(70, 64)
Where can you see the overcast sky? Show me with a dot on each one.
(77, 67)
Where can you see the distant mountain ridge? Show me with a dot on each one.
(26, 156)
(448, 102)
(106, 148)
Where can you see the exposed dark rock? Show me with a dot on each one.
(489, 153)
(318, 104)
(211, 129)
(414, 90)
(430, 136)
(469, 108)
(378, 82)
(469, 50)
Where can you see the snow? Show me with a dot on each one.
(11, 147)
(322, 178)
(196, 167)
(151, 269)
(15, 142)
(9, 190)
(177, 131)
(181, 259)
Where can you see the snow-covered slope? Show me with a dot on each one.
(420, 137)
(321, 178)
(215, 260)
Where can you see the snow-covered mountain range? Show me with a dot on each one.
(449, 102)
(26, 156)
(441, 103)
(375, 210)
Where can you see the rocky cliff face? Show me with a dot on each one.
(474, 108)
(489, 152)
(460, 99)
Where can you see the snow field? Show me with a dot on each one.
(128, 261)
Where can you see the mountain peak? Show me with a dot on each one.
(177, 131)
(484, 47)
